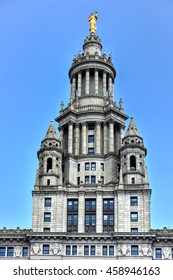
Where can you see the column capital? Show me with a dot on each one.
(105, 124)
(111, 121)
(98, 122)
(84, 123)
(71, 122)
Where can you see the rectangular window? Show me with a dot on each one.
(46, 229)
(172, 252)
(47, 217)
(46, 249)
(47, 202)
(90, 151)
(78, 180)
(102, 179)
(10, 251)
(68, 250)
(90, 204)
(25, 252)
(72, 204)
(134, 201)
(86, 179)
(93, 179)
(72, 215)
(133, 180)
(74, 250)
(92, 250)
(2, 251)
(93, 166)
(102, 166)
(134, 250)
(90, 138)
(90, 215)
(48, 182)
(111, 250)
(158, 253)
(87, 166)
(108, 215)
(78, 167)
(105, 250)
(86, 250)
(134, 217)
(91, 127)
(72, 220)
(134, 229)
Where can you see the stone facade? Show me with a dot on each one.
(91, 196)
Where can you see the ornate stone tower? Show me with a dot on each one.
(48, 179)
(91, 196)
(92, 179)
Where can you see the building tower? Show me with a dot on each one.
(103, 187)
(91, 196)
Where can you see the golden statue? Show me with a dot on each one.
(92, 20)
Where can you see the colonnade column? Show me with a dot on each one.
(105, 133)
(81, 212)
(96, 77)
(98, 137)
(110, 87)
(61, 130)
(79, 84)
(76, 140)
(73, 89)
(104, 84)
(70, 137)
(122, 132)
(87, 82)
(99, 211)
(111, 136)
(83, 138)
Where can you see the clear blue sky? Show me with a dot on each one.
(38, 40)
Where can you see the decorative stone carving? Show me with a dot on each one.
(124, 250)
(80, 250)
(57, 249)
(18, 251)
(35, 249)
(146, 250)
(166, 253)
(99, 250)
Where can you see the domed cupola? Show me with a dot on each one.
(92, 72)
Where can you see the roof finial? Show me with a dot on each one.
(92, 20)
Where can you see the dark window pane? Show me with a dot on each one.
(92, 251)
(47, 202)
(10, 251)
(25, 252)
(68, 250)
(134, 250)
(105, 250)
(2, 251)
(45, 249)
(111, 250)
(74, 250)
(90, 138)
(47, 217)
(86, 250)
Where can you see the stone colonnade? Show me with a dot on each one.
(107, 137)
(108, 83)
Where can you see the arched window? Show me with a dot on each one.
(49, 165)
(132, 163)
